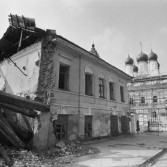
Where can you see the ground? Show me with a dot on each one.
(129, 150)
(162, 162)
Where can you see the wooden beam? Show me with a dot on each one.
(28, 112)
(22, 132)
(23, 102)
(27, 123)
(5, 156)
(8, 132)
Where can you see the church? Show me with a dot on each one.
(147, 91)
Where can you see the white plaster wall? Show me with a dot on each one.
(12, 79)
(135, 74)
(129, 69)
(72, 97)
(153, 66)
(143, 68)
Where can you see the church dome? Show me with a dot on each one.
(152, 56)
(135, 68)
(142, 57)
(129, 60)
(93, 51)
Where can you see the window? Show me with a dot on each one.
(88, 84)
(101, 87)
(154, 114)
(131, 101)
(155, 99)
(111, 89)
(122, 94)
(60, 127)
(88, 126)
(64, 77)
(142, 100)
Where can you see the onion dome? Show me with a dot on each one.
(142, 57)
(93, 51)
(152, 56)
(129, 60)
(135, 68)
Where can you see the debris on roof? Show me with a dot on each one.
(21, 33)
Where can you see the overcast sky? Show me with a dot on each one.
(115, 26)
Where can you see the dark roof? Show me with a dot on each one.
(10, 40)
(152, 56)
(142, 57)
(129, 60)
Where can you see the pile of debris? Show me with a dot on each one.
(57, 156)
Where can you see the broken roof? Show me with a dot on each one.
(10, 40)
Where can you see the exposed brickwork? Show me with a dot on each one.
(47, 77)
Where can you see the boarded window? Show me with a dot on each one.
(101, 87)
(88, 84)
(111, 87)
(122, 94)
(64, 77)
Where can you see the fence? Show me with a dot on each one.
(157, 126)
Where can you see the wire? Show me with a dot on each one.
(17, 66)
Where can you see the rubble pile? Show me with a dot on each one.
(56, 156)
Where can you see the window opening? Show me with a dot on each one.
(101, 87)
(142, 100)
(111, 87)
(60, 127)
(64, 77)
(88, 126)
(155, 99)
(131, 101)
(88, 84)
(122, 93)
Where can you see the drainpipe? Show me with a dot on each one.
(79, 87)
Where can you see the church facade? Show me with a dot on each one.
(147, 92)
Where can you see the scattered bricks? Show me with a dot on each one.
(60, 144)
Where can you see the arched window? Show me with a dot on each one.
(101, 85)
(88, 81)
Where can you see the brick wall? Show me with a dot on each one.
(47, 76)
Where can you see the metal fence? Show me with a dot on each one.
(156, 126)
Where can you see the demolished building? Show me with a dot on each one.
(87, 97)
